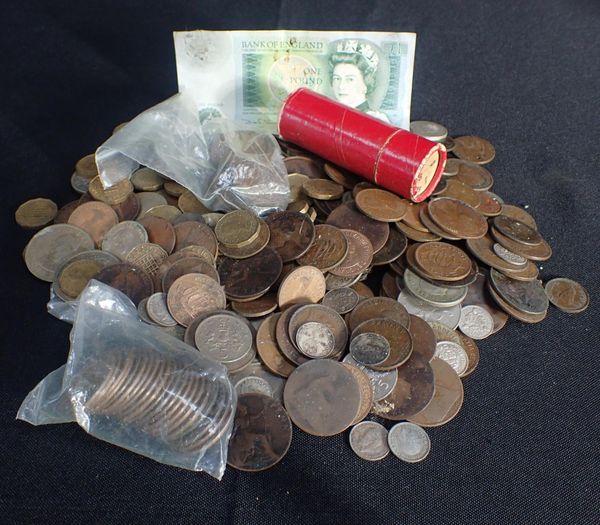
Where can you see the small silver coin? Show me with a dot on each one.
(369, 440)
(124, 237)
(382, 382)
(509, 256)
(454, 354)
(143, 312)
(253, 385)
(370, 348)
(342, 300)
(79, 184)
(315, 340)
(157, 310)
(409, 442)
(429, 130)
(476, 322)
(450, 316)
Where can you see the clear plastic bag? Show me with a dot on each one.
(224, 164)
(132, 385)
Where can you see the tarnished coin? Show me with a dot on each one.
(322, 397)
(148, 257)
(253, 385)
(63, 214)
(284, 338)
(409, 442)
(381, 307)
(423, 337)
(315, 340)
(528, 297)
(112, 195)
(149, 200)
(262, 433)
(511, 310)
(366, 392)
(248, 250)
(292, 234)
(268, 350)
(224, 338)
(567, 295)
(370, 348)
(323, 315)
(368, 440)
(237, 228)
(129, 209)
(131, 280)
(195, 234)
(156, 308)
(395, 334)
(123, 237)
(146, 179)
(474, 175)
(160, 231)
(514, 212)
(174, 188)
(359, 255)
(472, 353)
(490, 204)
(433, 227)
(304, 165)
(517, 231)
(341, 176)
(509, 256)
(412, 217)
(36, 213)
(382, 382)
(449, 316)
(474, 149)
(334, 282)
(257, 307)
(96, 218)
(393, 248)
(538, 252)
(483, 250)
(164, 211)
(328, 249)
(476, 322)
(451, 168)
(457, 218)
(86, 167)
(74, 276)
(417, 235)
(456, 189)
(323, 189)
(192, 295)
(381, 205)
(80, 184)
(256, 378)
(49, 248)
(295, 181)
(449, 143)
(305, 284)
(342, 300)
(188, 203)
(429, 130)
(442, 261)
(435, 295)
(453, 354)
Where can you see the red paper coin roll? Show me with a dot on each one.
(393, 158)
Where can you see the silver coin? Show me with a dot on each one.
(382, 382)
(124, 237)
(476, 322)
(369, 440)
(454, 354)
(257, 369)
(432, 294)
(333, 282)
(143, 312)
(224, 338)
(315, 340)
(157, 310)
(509, 256)
(449, 316)
(253, 385)
(409, 442)
(429, 130)
(79, 184)
(370, 348)
(148, 200)
(342, 300)
(526, 296)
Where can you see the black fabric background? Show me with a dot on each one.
(524, 448)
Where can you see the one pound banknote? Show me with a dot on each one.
(246, 75)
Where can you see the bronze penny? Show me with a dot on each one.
(359, 256)
(188, 203)
(410, 259)
(433, 227)
(393, 248)
(115, 194)
(324, 208)
(474, 175)
(378, 307)
(86, 167)
(527, 297)
(324, 315)
(131, 280)
(423, 337)
(256, 308)
(149, 200)
(389, 285)
(514, 212)
(474, 149)
(292, 234)
(489, 205)
(412, 392)
(416, 235)
(36, 213)
(447, 398)
(514, 312)
(457, 218)
(412, 217)
(194, 233)
(305, 284)
(304, 165)
(399, 338)
(341, 176)
(251, 249)
(478, 294)
(262, 433)
(517, 231)
(322, 397)
(188, 217)
(347, 216)
(472, 351)
(442, 261)
(160, 231)
(129, 209)
(75, 275)
(567, 295)
(363, 290)
(63, 214)
(381, 205)
(461, 192)
(192, 295)
(268, 350)
(96, 218)
(539, 252)
(328, 249)
(483, 250)
(366, 392)
(251, 276)
(529, 272)
(287, 347)
(184, 266)
(362, 185)
(174, 188)
(322, 189)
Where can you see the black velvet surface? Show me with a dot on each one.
(524, 448)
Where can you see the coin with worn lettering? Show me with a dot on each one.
(224, 338)
(423, 337)
(304, 165)
(322, 397)
(268, 350)
(329, 248)
(416, 235)
(528, 297)
(347, 216)
(429, 130)
(517, 231)
(411, 263)
(323, 315)
(474, 175)
(257, 307)
(156, 308)
(305, 284)
(96, 218)
(112, 195)
(315, 340)
(449, 316)
(342, 300)
(192, 295)
(368, 440)
(511, 310)
(359, 255)
(476, 322)
(397, 336)
(381, 205)
(134, 282)
(370, 348)
(454, 354)
(341, 176)
(457, 218)
(292, 234)
(409, 442)
(567, 295)
(381, 307)
(36, 213)
(123, 237)
(160, 231)
(435, 295)
(474, 149)
(262, 433)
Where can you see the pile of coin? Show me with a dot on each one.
(287, 302)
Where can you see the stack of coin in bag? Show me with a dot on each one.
(353, 308)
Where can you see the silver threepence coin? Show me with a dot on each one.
(369, 440)
(409, 442)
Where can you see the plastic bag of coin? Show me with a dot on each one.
(226, 165)
(136, 387)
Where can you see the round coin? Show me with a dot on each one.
(474, 149)
(395, 334)
(315, 340)
(429, 130)
(75, 275)
(323, 189)
(123, 237)
(160, 231)
(292, 234)
(435, 295)
(449, 316)
(528, 297)
(305, 284)
(156, 308)
(382, 382)
(96, 218)
(369, 348)
(368, 440)
(476, 322)
(237, 228)
(131, 280)
(268, 350)
(567, 295)
(223, 337)
(474, 175)
(453, 354)
(423, 337)
(509, 256)
(359, 255)
(457, 218)
(381, 307)
(381, 205)
(192, 295)
(409, 442)
(36, 213)
(517, 231)
(342, 300)
(329, 248)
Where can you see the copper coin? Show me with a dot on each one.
(478, 294)
(192, 295)
(149, 200)
(63, 214)
(483, 249)
(489, 205)
(472, 351)
(256, 308)
(160, 231)
(323, 189)
(251, 276)
(362, 290)
(262, 433)
(183, 267)
(442, 261)
(416, 235)
(342, 300)
(366, 392)
(512, 311)
(412, 217)
(381, 205)
(341, 176)
(567, 295)
(115, 194)
(410, 259)
(393, 248)
(359, 256)
(457, 218)
(529, 272)
(433, 227)
(447, 398)
(96, 218)
(250, 249)
(347, 216)
(304, 165)
(423, 337)
(362, 185)
(322, 397)
(36, 213)
(328, 249)
(461, 192)
(146, 179)
(324, 208)
(164, 211)
(268, 350)
(129, 209)
(474, 175)
(74, 276)
(284, 341)
(131, 280)
(397, 336)
(527, 297)
(86, 167)
(188, 203)
(514, 212)
(474, 149)
(389, 285)
(305, 284)
(378, 307)
(292, 234)
(413, 391)
(323, 315)
(194, 233)
(517, 231)
(539, 252)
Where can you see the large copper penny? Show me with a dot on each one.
(160, 231)
(412, 264)
(527, 297)
(323, 189)
(63, 214)
(260, 307)
(194, 233)
(413, 391)
(292, 234)
(359, 256)
(381, 205)
(268, 350)
(393, 248)
(327, 250)
(461, 192)
(322, 397)
(433, 227)
(304, 165)
(509, 210)
(512, 311)
(184, 266)
(262, 433)
(347, 216)
(134, 282)
(474, 149)
(423, 337)
(282, 336)
(442, 261)
(567, 295)
(483, 249)
(539, 252)
(457, 218)
(192, 295)
(305, 284)
(366, 392)
(417, 235)
(447, 398)
(398, 337)
(378, 307)
(412, 217)
(517, 231)
(324, 315)
(96, 218)
(129, 209)
(476, 176)
(490, 204)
